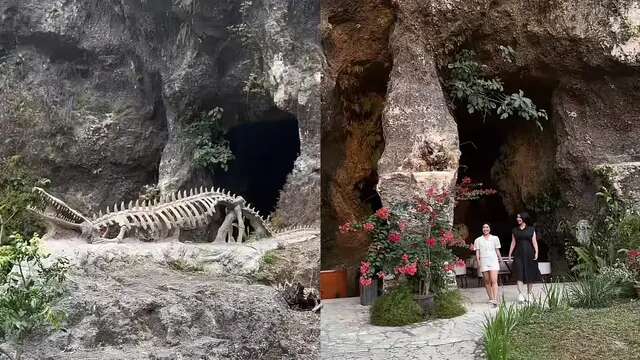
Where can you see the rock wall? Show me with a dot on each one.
(95, 94)
(578, 58)
(355, 36)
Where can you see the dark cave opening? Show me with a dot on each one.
(265, 152)
(485, 142)
(480, 145)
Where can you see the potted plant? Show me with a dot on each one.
(633, 262)
(412, 241)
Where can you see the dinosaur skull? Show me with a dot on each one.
(58, 214)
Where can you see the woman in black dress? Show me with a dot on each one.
(524, 248)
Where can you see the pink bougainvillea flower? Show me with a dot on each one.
(383, 213)
(431, 242)
(381, 275)
(448, 238)
(400, 270)
(365, 266)
(368, 227)
(365, 281)
(411, 269)
(432, 191)
(394, 237)
(405, 258)
(345, 228)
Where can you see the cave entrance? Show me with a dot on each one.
(511, 156)
(264, 151)
(480, 145)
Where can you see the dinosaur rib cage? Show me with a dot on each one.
(177, 210)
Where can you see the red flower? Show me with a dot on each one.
(432, 191)
(381, 275)
(368, 227)
(394, 237)
(365, 266)
(411, 269)
(405, 258)
(345, 228)
(383, 213)
(447, 238)
(365, 281)
(431, 243)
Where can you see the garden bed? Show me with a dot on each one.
(606, 333)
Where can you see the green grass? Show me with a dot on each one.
(592, 292)
(448, 304)
(396, 308)
(585, 334)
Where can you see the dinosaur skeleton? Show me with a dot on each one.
(178, 210)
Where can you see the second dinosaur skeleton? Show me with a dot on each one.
(179, 210)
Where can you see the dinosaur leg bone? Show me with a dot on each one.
(238, 211)
(226, 227)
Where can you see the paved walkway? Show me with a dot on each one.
(347, 334)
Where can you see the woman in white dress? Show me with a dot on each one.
(488, 258)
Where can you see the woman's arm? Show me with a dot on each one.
(535, 245)
(513, 244)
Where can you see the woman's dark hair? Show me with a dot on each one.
(486, 223)
(525, 217)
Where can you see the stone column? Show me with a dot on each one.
(421, 136)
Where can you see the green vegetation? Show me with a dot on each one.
(486, 95)
(185, 266)
(448, 304)
(592, 292)
(586, 334)
(212, 150)
(16, 183)
(269, 258)
(396, 308)
(28, 291)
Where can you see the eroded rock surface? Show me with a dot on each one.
(95, 95)
(144, 304)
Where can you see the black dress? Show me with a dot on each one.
(525, 267)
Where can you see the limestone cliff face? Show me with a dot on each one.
(578, 59)
(95, 94)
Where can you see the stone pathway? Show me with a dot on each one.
(347, 334)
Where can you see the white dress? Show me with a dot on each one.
(488, 256)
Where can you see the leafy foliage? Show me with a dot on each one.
(396, 308)
(616, 229)
(592, 292)
(487, 95)
(212, 150)
(448, 304)
(16, 183)
(414, 239)
(28, 292)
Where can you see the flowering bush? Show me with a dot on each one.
(414, 239)
(633, 262)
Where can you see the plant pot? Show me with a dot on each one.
(425, 302)
(369, 294)
(333, 284)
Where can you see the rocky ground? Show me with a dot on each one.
(140, 305)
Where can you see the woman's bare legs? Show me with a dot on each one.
(529, 288)
(520, 288)
(487, 284)
(493, 275)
